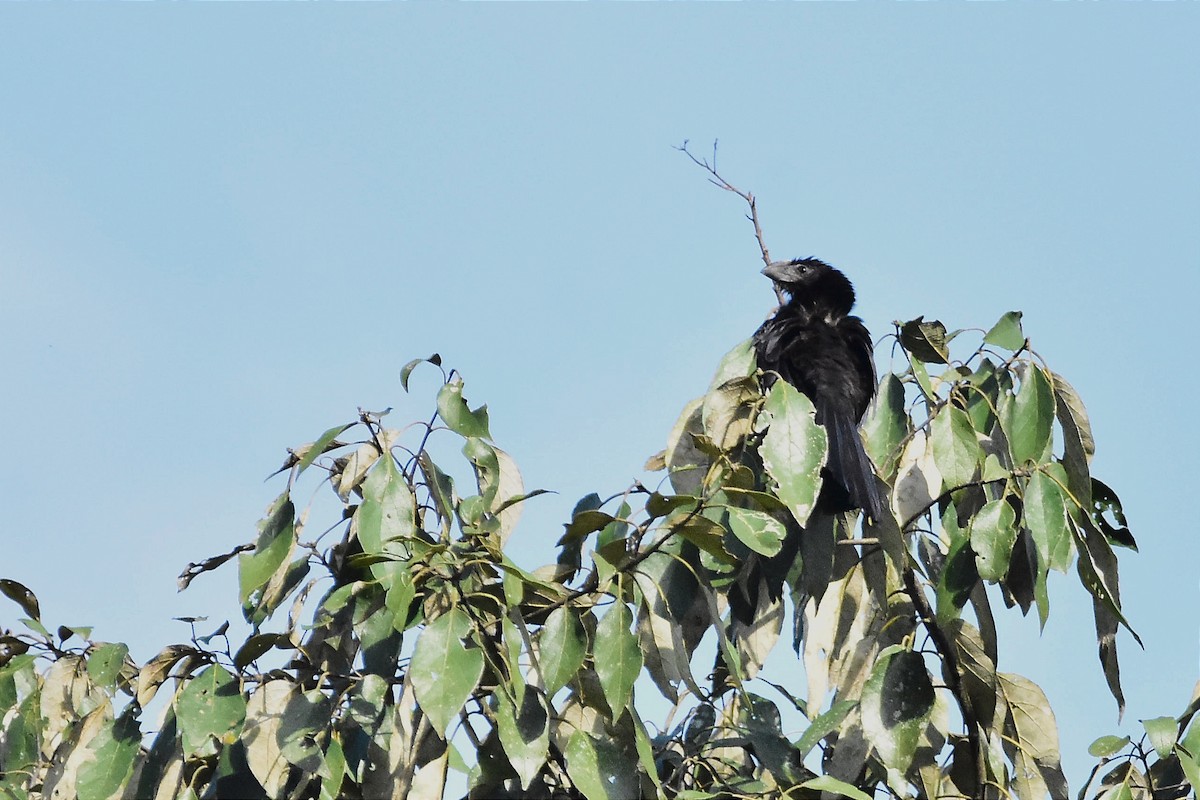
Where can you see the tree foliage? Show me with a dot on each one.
(411, 648)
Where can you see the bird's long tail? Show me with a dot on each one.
(850, 464)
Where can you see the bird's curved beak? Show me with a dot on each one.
(779, 271)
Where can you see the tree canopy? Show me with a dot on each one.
(399, 644)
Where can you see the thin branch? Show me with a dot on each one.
(717, 180)
(950, 668)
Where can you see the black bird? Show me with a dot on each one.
(816, 345)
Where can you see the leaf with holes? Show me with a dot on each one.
(210, 706)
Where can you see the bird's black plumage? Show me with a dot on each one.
(814, 343)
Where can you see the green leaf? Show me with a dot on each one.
(1189, 753)
(407, 369)
(309, 453)
(1107, 746)
(921, 375)
(794, 449)
(20, 594)
(926, 341)
(1045, 516)
(561, 648)
(1007, 332)
(956, 450)
(761, 532)
(444, 671)
(617, 656)
(458, 416)
(1028, 418)
(333, 770)
(737, 363)
(823, 725)
(1162, 732)
(388, 510)
(992, 538)
(897, 700)
(111, 753)
(830, 784)
(600, 769)
(276, 539)
(104, 664)
(210, 706)
(524, 732)
(886, 426)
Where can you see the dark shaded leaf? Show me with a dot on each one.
(1105, 500)
(896, 703)
(255, 647)
(22, 596)
(958, 575)
(926, 341)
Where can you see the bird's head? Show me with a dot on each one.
(812, 283)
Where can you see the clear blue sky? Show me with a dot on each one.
(223, 228)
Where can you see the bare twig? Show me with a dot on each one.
(716, 180)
